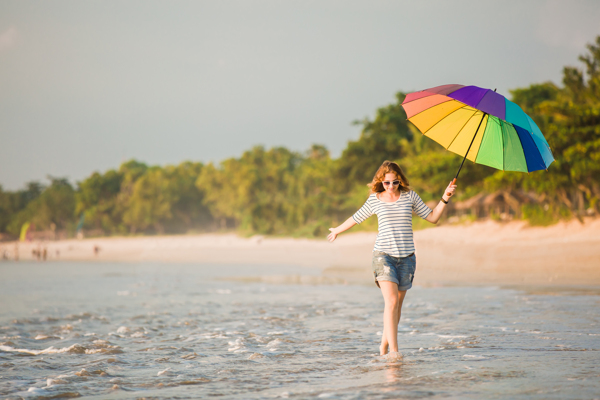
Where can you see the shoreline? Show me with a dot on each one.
(483, 252)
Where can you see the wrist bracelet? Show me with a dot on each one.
(444, 201)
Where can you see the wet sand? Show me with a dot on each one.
(566, 254)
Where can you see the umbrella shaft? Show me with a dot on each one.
(474, 136)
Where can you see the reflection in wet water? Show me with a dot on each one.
(166, 331)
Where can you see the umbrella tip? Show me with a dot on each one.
(495, 89)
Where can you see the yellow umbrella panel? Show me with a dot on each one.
(461, 128)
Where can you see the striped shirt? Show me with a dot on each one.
(395, 235)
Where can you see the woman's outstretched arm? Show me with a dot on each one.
(349, 223)
(435, 215)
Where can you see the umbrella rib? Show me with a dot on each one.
(522, 148)
(474, 136)
(442, 118)
(471, 117)
(502, 131)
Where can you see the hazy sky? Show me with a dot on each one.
(85, 85)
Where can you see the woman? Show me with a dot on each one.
(394, 262)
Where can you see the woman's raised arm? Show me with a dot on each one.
(435, 215)
(349, 223)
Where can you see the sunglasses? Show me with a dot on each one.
(387, 183)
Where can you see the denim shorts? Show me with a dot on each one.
(400, 270)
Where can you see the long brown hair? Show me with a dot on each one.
(386, 168)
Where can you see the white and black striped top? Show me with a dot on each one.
(395, 222)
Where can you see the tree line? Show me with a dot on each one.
(279, 191)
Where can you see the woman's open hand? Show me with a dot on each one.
(349, 223)
(449, 192)
(331, 237)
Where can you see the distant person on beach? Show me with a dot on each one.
(394, 262)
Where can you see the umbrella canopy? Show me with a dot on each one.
(481, 125)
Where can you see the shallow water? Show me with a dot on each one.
(191, 331)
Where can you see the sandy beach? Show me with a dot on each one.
(486, 252)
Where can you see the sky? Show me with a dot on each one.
(87, 85)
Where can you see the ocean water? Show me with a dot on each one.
(165, 331)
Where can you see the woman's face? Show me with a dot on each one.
(391, 183)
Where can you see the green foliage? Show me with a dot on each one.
(149, 203)
(538, 215)
(531, 97)
(383, 138)
(96, 199)
(11, 203)
(52, 207)
(188, 209)
(570, 120)
(270, 191)
(280, 192)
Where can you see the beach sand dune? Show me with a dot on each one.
(485, 252)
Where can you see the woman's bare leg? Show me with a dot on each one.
(391, 296)
(401, 295)
(389, 290)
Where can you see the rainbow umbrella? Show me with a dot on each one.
(481, 125)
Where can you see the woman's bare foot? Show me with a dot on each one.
(383, 349)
